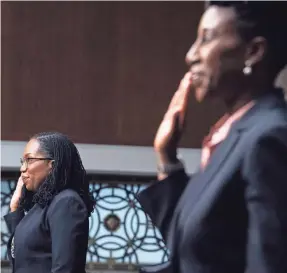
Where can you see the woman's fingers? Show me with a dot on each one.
(179, 102)
(171, 127)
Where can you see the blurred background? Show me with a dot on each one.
(102, 73)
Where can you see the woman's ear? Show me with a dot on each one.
(51, 164)
(256, 50)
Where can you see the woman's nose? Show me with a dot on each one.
(23, 167)
(192, 55)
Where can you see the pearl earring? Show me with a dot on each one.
(247, 70)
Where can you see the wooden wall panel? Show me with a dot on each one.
(101, 72)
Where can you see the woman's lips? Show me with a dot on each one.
(196, 78)
(25, 180)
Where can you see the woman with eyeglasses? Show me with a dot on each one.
(50, 208)
(231, 215)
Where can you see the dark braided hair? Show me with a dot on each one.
(262, 18)
(67, 172)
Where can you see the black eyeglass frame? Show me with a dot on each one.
(22, 160)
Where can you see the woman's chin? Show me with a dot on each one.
(200, 94)
(28, 187)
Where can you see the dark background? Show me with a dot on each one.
(101, 72)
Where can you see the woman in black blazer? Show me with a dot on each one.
(230, 216)
(50, 208)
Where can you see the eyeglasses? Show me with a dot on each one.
(29, 160)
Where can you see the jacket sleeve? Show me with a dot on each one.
(12, 219)
(160, 199)
(69, 228)
(265, 172)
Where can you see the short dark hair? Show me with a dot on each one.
(262, 18)
(67, 172)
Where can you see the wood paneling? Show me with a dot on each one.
(101, 72)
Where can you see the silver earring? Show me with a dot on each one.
(247, 70)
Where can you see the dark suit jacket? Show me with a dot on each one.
(50, 239)
(231, 217)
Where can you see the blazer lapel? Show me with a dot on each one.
(219, 156)
(197, 185)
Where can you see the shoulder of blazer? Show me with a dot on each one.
(67, 194)
(269, 111)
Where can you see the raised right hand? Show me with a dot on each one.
(14, 203)
(172, 125)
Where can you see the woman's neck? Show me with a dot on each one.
(242, 98)
(234, 105)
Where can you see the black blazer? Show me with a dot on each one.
(231, 217)
(50, 239)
